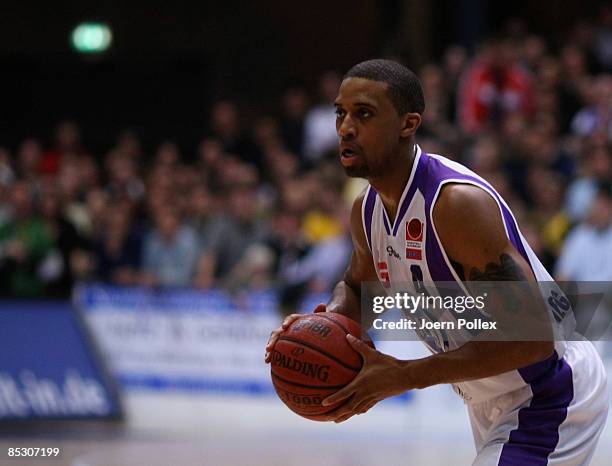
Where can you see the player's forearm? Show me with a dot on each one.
(345, 301)
(474, 360)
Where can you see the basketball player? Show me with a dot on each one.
(529, 402)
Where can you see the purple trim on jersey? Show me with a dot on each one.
(513, 234)
(537, 433)
(368, 212)
(438, 269)
(403, 207)
(386, 223)
(436, 263)
(406, 202)
(535, 371)
(435, 170)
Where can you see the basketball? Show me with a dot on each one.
(312, 359)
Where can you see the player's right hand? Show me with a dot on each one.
(284, 326)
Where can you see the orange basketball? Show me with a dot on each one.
(312, 359)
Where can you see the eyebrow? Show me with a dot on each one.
(365, 104)
(359, 104)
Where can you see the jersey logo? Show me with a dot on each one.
(393, 253)
(414, 239)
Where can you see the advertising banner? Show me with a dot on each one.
(48, 366)
(182, 339)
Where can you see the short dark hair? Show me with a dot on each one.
(404, 88)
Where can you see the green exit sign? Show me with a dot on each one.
(91, 37)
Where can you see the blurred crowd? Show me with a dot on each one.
(263, 202)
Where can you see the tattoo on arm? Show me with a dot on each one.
(506, 270)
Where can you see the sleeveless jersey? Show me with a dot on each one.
(409, 250)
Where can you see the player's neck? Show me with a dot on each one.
(391, 186)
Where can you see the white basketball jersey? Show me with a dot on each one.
(409, 250)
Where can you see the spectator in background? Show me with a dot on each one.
(210, 158)
(29, 156)
(321, 222)
(320, 125)
(587, 252)
(288, 245)
(533, 50)
(574, 80)
(253, 271)
(597, 116)
(538, 148)
(484, 157)
(96, 201)
(493, 86)
(550, 79)
(296, 195)
(68, 244)
(453, 65)
(603, 40)
(203, 211)
(230, 235)
(129, 144)
(124, 182)
(5, 208)
(282, 166)
(71, 186)
(89, 170)
(545, 190)
(226, 128)
(596, 167)
(117, 245)
(435, 122)
(67, 142)
(199, 210)
(286, 239)
(529, 138)
(293, 112)
(533, 236)
(7, 174)
(325, 228)
(170, 251)
(185, 181)
(25, 243)
(319, 269)
(268, 142)
(168, 155)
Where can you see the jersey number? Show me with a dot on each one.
(438, 340)
(417, 279)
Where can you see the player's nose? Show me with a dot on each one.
(346, 129)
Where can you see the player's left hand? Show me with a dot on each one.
(381, 376)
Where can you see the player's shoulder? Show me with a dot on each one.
(462, 192)
(459, 199)
(468, 222)
(466, 211)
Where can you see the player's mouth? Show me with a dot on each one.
(348, 155)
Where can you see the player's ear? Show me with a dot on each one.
(410, 123)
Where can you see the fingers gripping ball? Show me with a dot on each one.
(312, 359)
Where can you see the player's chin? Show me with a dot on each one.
(357, 171)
